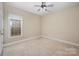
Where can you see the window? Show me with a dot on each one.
(15, 25)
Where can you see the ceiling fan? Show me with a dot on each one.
(43, 6)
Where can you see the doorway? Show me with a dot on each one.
(1, 27)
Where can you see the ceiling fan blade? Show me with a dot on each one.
(50, 5)
(37, 5)
(38, 9)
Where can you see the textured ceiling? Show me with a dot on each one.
(29, 6)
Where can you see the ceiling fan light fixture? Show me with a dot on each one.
(43, 6)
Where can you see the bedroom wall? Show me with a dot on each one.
(63, 24)
(31, 23)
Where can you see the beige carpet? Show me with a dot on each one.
(40, 47)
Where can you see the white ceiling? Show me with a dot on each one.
(29, 6)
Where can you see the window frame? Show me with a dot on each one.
(16, 17)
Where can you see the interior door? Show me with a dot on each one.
(1, 28)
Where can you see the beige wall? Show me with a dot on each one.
(31, 23)
(62, 24)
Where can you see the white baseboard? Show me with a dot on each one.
(60, 40)
(19, 41)
(43, 36)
